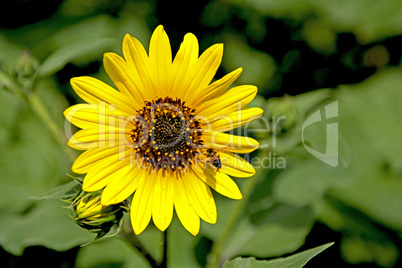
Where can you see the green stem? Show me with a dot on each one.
(165, 245)
(132, 238)
(7, 83)
(39, 108)
(215, 257)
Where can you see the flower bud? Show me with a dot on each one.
(90, 214)
(282, 114)
(24, 71)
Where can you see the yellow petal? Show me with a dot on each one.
(101, 137)
(200, 197)
(185, 212)
(119, 72)
(99, 175)
(85, 140)
(236, 166)
(92, 90)
(162, 206)
(141, 206)
(236, 119)
(160, 57)
(122, 184)
(228, 102)
(218, 87)
(228, 142)
(90, 157)
(139, 64)
(202, 72)
(218, 181)
(184, 59)
(92, 115)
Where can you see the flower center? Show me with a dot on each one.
(166, 134)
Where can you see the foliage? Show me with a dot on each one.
(303, 55)
(297, 260)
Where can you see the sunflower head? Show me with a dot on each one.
(167, 135)
(162, 134)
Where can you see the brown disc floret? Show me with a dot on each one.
(166, 134)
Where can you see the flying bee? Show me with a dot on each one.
(213, 158)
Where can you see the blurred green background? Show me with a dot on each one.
(301, 54)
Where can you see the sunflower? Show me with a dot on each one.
(162, 134)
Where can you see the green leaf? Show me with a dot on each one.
(367, 244)
(308, 181)
(91, 28)
(367, 178)
(370, 164)
(372, 122)
(32, 162)
(74, 51)
(369, 23)
(9, 52)
(61, 192)
(46, 223)
(110, 252)
(295, 261)
(275, 231)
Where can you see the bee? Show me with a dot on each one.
(213, 158)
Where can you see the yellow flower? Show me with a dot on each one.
(160, 136)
